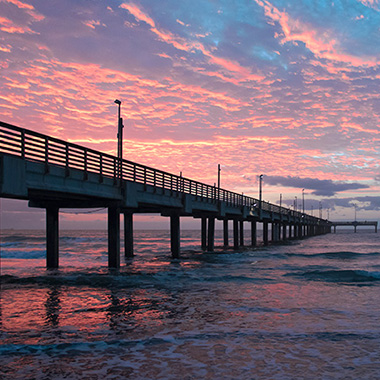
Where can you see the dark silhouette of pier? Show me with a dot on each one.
(54, 174)
(355, 224)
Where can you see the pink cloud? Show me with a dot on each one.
(231, 66)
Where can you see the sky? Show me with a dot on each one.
(287, 89)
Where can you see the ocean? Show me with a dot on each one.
(306, 309)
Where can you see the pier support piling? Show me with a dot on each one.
(203, 233)
(284, 232)
(52, 237)
(265, 233)
(253, 234)
(174, 235)
(225, 232)
(236, 233)
(241, 233)
(211, 234)
(128, 234)
(113, 237)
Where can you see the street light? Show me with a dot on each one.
(295, 203)
(219, 181)
(120, 127)
(260, 187)
(303, 201)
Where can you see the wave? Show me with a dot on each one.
(340, 276)
(35, 254)
(335, 255)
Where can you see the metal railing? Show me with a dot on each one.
(34, 146)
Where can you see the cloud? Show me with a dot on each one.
(320, 187)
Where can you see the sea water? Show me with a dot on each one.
(307, 309)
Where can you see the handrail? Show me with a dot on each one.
(34, 146)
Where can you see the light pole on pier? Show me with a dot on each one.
(219, 181)
(120, 127)
(320, 210)
(295, 204)
(303, 201)
(280, 200)
(260, 187)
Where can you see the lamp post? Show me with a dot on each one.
(219, 181)
(260, 187)
(280, 200)
(320, 210)
(120, 127)
(303, 201)
(295, 204)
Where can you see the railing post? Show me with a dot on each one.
(85, 174)
(23, 144)
(46, 155)
(114, 170)
(101, 168)
(67, 170)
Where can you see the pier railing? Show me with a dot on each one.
(34, 146)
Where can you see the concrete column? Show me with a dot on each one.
(211, 234)
(225, 232)
(253, 234)
(174, 235)
(290, 231)
(355, 229)
(265, 233)
(236, 234)
(52, 237)
(204, 233)
(284, 231)
(128, 234)
(241, 233)
(272, 233)
(113, 237)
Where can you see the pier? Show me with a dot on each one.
(54, 174)
(355, 224)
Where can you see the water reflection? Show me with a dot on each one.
(119, 312)
(53, 306)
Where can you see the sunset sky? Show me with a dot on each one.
(288, 89)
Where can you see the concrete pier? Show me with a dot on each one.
(211, 234)
(265, 233)
(225, 232)
(241, 231)
(52, 237)
(253, 233)
(203, 233)
(174, 235)
(236, 233)
(54, 174)
(113, 237)
(128, 234)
